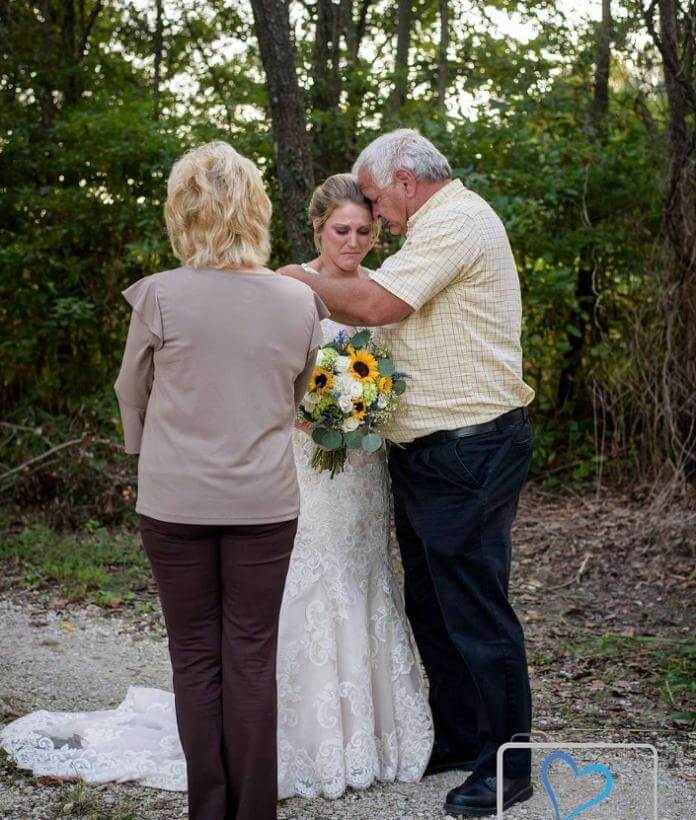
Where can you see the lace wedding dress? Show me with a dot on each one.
(352, 706)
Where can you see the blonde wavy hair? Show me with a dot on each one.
(217, 211)
(333, 192)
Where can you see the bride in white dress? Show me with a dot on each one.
(352, 704)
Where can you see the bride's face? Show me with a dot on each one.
(345, 236)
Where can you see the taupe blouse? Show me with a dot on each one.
(215, 364)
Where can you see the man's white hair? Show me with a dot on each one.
(404, 149)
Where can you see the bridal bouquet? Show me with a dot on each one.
(353, 391)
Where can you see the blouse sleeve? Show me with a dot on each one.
(320, 312)
(316, 339)
(142, 297)
(135, 378)
(302, 380)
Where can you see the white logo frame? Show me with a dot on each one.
(531, 746)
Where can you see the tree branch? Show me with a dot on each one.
(96, 8)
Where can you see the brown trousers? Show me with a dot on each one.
(221, 589)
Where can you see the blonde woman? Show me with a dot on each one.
(219, 352)
(353, 708)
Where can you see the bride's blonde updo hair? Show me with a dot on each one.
(335, 191)
(217, 212)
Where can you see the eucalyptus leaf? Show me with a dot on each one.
(399, 387)
(386, 367)
(371, 442)
(353, 439)
(329, 439)
(360, 339)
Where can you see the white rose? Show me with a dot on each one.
(350, 424)
(342, 363)
(356, 389)
(311, 400)
(346, 404)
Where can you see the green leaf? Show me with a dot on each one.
(371, 442)
(360, 339)
(399, 387)
(353, 439)
(683, 716)
(329, 439)
(386, 367)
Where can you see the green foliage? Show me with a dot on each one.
(669, 664)
(101, 567)
(84, 163)
(68, 485)
(327, 438)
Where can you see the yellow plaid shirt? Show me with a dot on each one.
(460, 347)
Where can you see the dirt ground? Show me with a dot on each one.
(604, 587)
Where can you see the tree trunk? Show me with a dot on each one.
(403, 46)
(327, 131)
(293, 156)
(354, 83)
(600, 101)
(583, 317)
(158, 60)
(443, 64)
(216, 79)
(68, 36)
(680, 209)
(680, 226)
(326, 87)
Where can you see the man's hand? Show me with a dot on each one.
(297, 272)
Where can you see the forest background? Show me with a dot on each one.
(577, 122)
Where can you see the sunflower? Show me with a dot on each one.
(321, 381)
(385, 384)
(359, 409)
(363, 365)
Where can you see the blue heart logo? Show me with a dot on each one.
(595, 769)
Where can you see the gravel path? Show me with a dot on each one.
(80, 659)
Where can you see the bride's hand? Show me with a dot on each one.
(305, 426)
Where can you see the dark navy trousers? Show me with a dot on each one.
(454, 505)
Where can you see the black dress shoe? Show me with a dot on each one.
(477, 795)
(446, 759)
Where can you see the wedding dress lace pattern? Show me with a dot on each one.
(352, 704)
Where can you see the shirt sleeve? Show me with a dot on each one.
(437, 252)
(134, 381)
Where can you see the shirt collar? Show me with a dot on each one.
(446, 193)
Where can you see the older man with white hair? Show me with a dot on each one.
(461, 449)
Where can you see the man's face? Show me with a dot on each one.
(389, 204)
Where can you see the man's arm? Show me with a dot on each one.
(354, 300)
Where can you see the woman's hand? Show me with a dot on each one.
(305, 426)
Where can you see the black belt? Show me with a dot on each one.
(500, 423)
